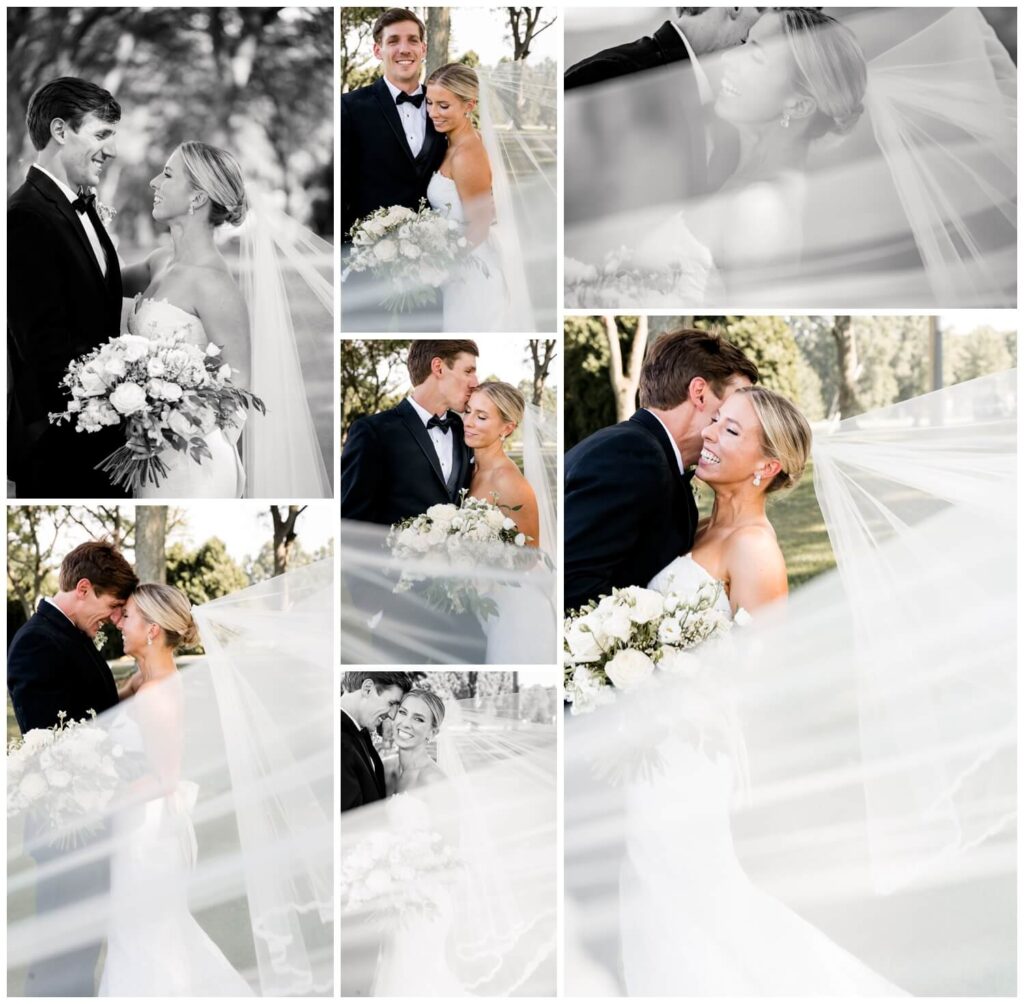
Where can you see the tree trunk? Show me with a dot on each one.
(625, 380)
(150, 543)
(284, 535)
(846, 357)
(439, 30)
(542, 352)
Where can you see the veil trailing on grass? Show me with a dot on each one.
(218, 785)
(471, 859)
(835, 783)
(914, 205)
(285, 273)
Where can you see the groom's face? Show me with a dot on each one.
(93, 610)
(711, 29)
(375, 707)
(85, 152)
(402, 50)
(458, 381)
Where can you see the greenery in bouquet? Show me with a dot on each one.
(166, 392)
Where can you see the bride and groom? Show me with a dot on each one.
(781, 182)
(68, 294)
(54, 672)
(448, 437)
(404, 141)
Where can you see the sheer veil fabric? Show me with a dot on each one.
(828, 797)
(250, 752)
(488, 880)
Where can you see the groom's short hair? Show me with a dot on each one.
(677, 357)
(354, 681)
(424, 351)
(103, 565)
(71, 99)
(396, 15)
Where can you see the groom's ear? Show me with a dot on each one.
(58, 130)
(83, 587)
(698, 392)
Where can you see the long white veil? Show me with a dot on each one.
(869, 727)
(285, 273)
(476, 854)
(251, 750)
(540, 468)
(914, 207)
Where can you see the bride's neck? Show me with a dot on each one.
(460, 134)
(192, 239)
(736, 505)
(487, 458)
(768, 150)
(155, 664)
(413, 759)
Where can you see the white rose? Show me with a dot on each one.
(128, 398)
(520, 540)
(386, 251)
(583, 646)
(409, 250)
(496, 519)
(618, 625)
(213, 350)
(92, 383)
(178, 423)
(134, 347)
(442, 512)
(577, 271)
(155, 367)
(115, 367)
(32, 786)
(224, 373)
(741, 618)
(675, 660)
(508, 524)
(36, 740)
(647, 606)
(669, 631)
(628, 669)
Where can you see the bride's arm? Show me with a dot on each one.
(755, 568)
(221, 308)
(471, 172)
(515, 491)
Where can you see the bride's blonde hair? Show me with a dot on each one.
(169, 609)
(432, 701)
(509, 400)
(785, 434)
(458, 78)
(215, 172)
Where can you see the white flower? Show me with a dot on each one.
(58, 778)
(741, 618)
(647, 606)
(155, 367)
(496, 520)
(583, 646)
(669, 631)
(36, 740)
(224, 373)
(213, 350)
(134, 347)
(128, 398)
(442, 513)
(32, 786)
(618, 624)
(577, 271)
(115, 367)
(178, 423)
(520, 539)
(629, 668)
(675, 660)
(586, 691)
(92, 383)
(508, 524)
(386, 251)
(409, 250)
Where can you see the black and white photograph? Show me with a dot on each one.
(170, 308)
(790, 158)
(448, 868)
(448, 140)
(170, 774)
(790, 655)
(449, 474)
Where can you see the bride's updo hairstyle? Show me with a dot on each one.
(831, 68)
(458, 78)
(216, 172)
(169, 609)
(507, 399)
(785, 434)
(432, 701)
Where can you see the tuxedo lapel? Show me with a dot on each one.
(79, 641)
(419, 433)
(390, 112)
(431, 141)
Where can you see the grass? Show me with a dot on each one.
(800, 528)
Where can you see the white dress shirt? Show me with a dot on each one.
(414, 120)
(83, 218)
(675, 448)
(442, 440)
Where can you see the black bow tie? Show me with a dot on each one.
(437, 422)
(84, 202)
(688, 475)
(414, 99)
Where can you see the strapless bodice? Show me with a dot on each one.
(150, 318)
(683, 575)
(443, 195)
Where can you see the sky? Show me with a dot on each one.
(485, 31)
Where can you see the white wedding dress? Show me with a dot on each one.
(692, 923)
(477, 299)
(155, 947)
(219, 476)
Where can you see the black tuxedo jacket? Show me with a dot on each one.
(59, 306)
(664, 46)
(377, 165)
(628, 510)
(361, 771)
(390, 469)
(54, 667)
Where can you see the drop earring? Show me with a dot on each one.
(149, 640)
(757, 480)
(785, 120)
(191, 209)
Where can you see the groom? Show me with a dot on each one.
(53, 667)
(368, 699)
(389, 149)
(63, 289)
(629, 507)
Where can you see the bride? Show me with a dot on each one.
(790, 803)
(850, 174)
(189, 287)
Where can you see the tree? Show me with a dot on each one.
(284, 534)
(372, 373)
(355, 33)
(206, 573)
(150, 543)
(846, 356)
(525, 24)
(32, 535)
(439, 30)
(589, 403)
(769, 344)
(625, 379)
(542, 353)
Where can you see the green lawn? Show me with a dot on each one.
(800, 528)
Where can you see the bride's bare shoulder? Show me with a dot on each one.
(471, 165)
(756, 566)
(512, 487)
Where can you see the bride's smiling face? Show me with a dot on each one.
(481, 423)
(172, 191)
(733, 450)
(446, 110)
(758, 77)
(135, 629)
(414, 724)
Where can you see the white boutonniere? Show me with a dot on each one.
(105, 213)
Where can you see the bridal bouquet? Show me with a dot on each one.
(618, 280)
(411, 252)
(63, 774)
(395, 874)
(472, 534)
(621, 640)
(167, 392)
